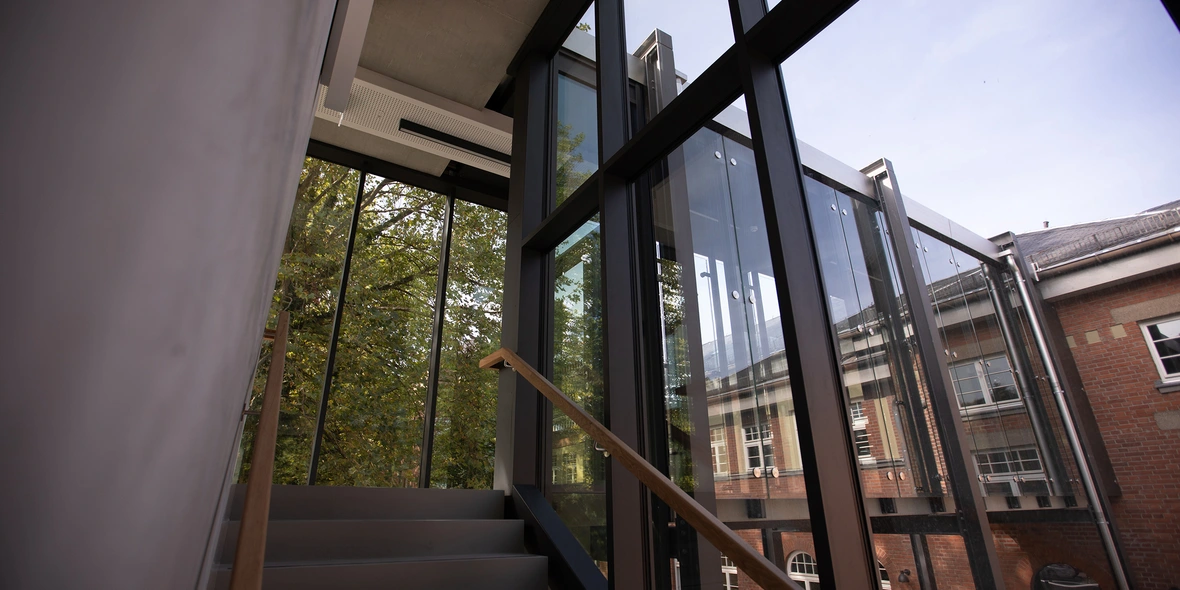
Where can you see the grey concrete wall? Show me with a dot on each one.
(148, 158)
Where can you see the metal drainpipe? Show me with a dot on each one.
(1075, 443)
(1036, 418)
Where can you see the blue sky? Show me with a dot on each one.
(998, 114)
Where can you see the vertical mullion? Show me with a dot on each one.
(972, 513)
(623, 333)
(321, 416)
(922, 562)
(840, 525)
(519, 408)
(440, 305)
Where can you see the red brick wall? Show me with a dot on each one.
(1119, 375)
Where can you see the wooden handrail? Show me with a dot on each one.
(764, 573)
(250, 554)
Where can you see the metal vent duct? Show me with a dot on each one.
(378, 104)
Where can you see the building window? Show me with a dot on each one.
(1011, 472)
(730, 573)
(720, 452)
(863, 450)
(858, 410)
(802, 568)
(1163, 338)
(759, 447)
(984, 381)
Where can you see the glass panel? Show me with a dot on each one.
(577, 127)
(307, 286)
(373, 428)
(895, 443)
(1165, 330)
(465, 410)
(729, 421)
(578, 485)
(694, 36)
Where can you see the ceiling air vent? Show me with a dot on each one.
(398, 112)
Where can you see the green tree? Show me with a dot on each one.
(373, 429)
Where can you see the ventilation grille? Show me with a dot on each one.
(377, 111)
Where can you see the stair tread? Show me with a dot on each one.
(486, 571)
(379, 560)
(348, 503)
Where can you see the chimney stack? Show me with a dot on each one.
(1045, 224)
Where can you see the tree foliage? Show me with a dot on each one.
(373, 426)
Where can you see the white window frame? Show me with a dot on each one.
(981, 375)
(763, 443)
(858, 411)
(1144, 327)
(1012, 478)
(729, 574)
(720, 450)
(804, 579)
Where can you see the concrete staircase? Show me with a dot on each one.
(362, 538)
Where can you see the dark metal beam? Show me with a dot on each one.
(1047, 515)
(922, 562)
(545, 534)
(519, 434)
(1173, 8)
(977, 535)
(790, 25)
(544, 39)
(908, 524)
(330, 368)
(708, 95)
(840, 524)
(440, 310)
(567, 217)
(550, 31)
(488, 190)
(626, 245)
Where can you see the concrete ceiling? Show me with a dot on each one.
(456, 49)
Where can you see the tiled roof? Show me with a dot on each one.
(1055, 245)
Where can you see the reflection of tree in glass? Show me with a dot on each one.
(578, 493)
(569, 158)
(676, 371)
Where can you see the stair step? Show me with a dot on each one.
(347, 503)
(332, 540)
(489, 572)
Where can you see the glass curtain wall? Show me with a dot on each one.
(378, 388)
(307, 286)
(373, 431)
(728, 422)
(721, 423)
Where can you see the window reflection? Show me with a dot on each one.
(578, 490)
(577, 127)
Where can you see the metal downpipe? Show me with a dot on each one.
(1097, 508)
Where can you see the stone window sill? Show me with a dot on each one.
(1171, 386)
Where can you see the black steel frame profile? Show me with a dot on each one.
(971, 511)
(330, 368)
